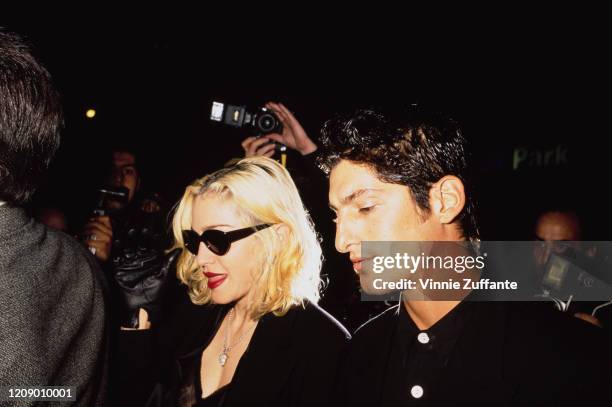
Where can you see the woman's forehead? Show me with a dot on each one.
(213, 208)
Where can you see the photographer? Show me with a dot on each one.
(560, 230)
(129, 239)
(293, 136)
(98, 232)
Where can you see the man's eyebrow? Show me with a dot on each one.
(352, 196)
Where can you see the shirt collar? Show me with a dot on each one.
(441, 334)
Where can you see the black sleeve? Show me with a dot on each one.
(137, 367)
(325, 342)
(590, 379)
(557, 359)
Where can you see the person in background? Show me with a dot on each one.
(53, 329)
(128, 236)
(559, 229)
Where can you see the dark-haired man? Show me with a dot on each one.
(52, 307)
(404, 177)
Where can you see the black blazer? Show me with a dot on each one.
(291, 360)
(511, 354)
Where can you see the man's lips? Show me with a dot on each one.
(214, 279)
(358, 262)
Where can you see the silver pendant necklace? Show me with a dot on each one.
(224, 355)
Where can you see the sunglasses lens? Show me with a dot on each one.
(191, 241)
(216, 241)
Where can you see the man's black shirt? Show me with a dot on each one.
(418, 357)
(480, 353)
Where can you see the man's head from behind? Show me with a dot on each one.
(30, 120)
(396, 177)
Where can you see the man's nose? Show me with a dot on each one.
(117, 178)
(343, 236)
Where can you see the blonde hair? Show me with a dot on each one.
(264, 192)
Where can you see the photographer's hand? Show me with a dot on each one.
(99, 237)
(258, 146)
(293, 136)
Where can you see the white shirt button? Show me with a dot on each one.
(416, 391)
(423, 338)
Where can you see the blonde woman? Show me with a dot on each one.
(252, 334)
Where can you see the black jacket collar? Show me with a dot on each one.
(263, 368)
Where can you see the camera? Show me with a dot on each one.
(109, 199)
(262, 122)
(572, 272)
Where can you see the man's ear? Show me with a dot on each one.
(447, 198)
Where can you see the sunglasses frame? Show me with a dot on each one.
(230, 237)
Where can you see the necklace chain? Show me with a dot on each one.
(224, 354)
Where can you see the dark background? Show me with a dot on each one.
(152, 85)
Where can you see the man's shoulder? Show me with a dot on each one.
(554, 337)
(383, 322)
(544, 318)
(312, 317)
(31, 241)
(370, 344)
(55, 243)
(553, 352)
(43, 255)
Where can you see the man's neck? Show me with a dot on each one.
(425, 314)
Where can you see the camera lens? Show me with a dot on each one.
(266, 122)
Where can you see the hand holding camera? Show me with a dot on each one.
(274, 125)
(98, 234)
(293, 134)
(258, 146)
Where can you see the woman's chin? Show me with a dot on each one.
(221, 296)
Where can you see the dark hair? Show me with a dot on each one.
(412, 147)
(126, 141)
(30, 120)
(564, 208)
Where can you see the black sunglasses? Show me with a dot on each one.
(217, 241)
